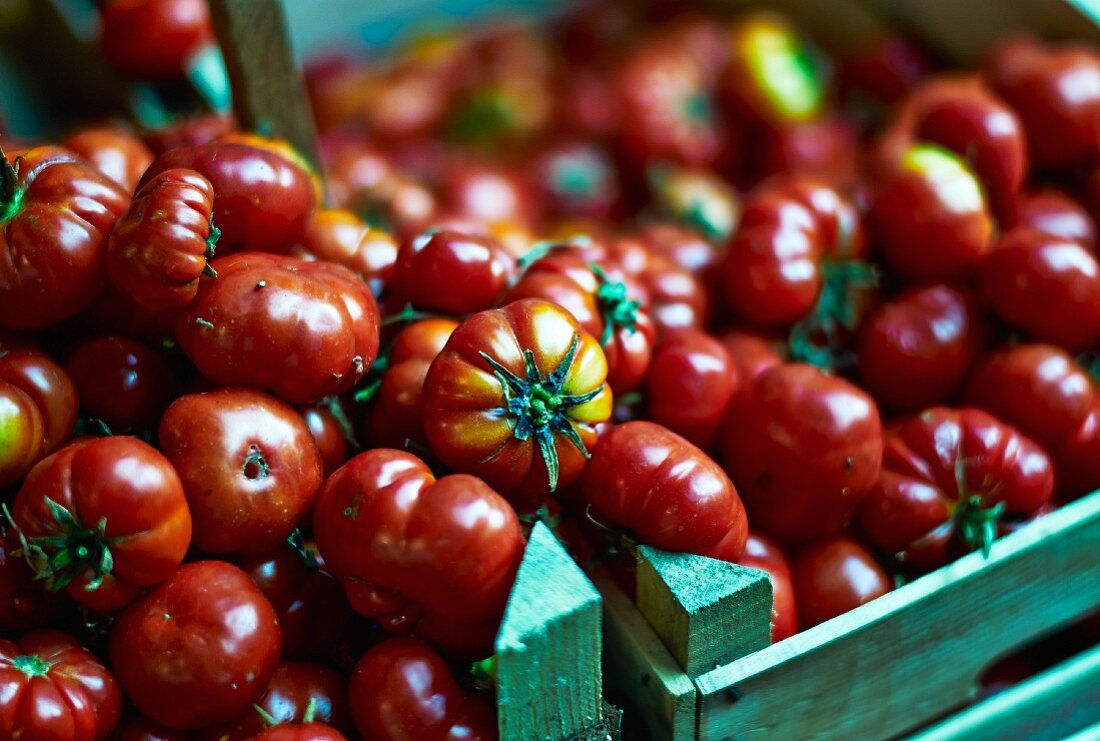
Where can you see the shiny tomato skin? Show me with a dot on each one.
(685, 247)
(53, 237)
(301, 732)
(133, 489)
(154, 38)
(402, 689)
(301, 330)
(690, 382)
(1077, 457)
(751, 354)
(834, 576)
(435, 557)
(766, 555)
(1035, 280)
(665, 491)
(55, 690)
(199, 649)
(1054, 212)
(122, 383)
(160, 247)
(21, 434)
(915, 350)
(248, 464)
(451, 272)
(114, 151)
(341, 237)
(803, 448)
(328, 434)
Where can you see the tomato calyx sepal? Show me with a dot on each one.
(616, 309)
(819, 337)
(211, 245)
(297, 543)
(77, 549)
(32, 665)
(11, 194)
(975, 523)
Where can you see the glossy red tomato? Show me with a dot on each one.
(1077, 457)
(915, 350)
(766, 555)
(451, 272)
(52, 689)
(107, 517)
(515, 398)
(197, 650)
(824, 148)
(301, 732)
(25, 604)
(1053, 212)
(56, 211)
(1035, 280)
(302, 330)
(116, 152)
(803, 448)
(162, 245)
(665, 491)
(576, 179)
(485, 191)
(248, 464)
(341, 237)
(690, 382)
(328, 423)
(947, 476)
(834, 576)
(125, 385)
(685, 245)
(402, 689)
(752, 354)
(154, 38)
(434, 557)
(189, 132)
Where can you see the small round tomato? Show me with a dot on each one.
(484, 191)
(803, 449)
(434, 557)
(515, 398)
(665, 491)
(451, 272)
(824, 148)
(687, 247)
(114, 151)
(125, 385)
(834, 576)
(948, 475)
(104, 517)
(401, 688)
(915, 350)
(1053, 212)
(576, 179)
(154, 38)
(54, 689)
(249, 467)
(690, 382)
(1035, 280)
(161, 246)
(341, 237)
(766, 555)
(327, 422)
(25, 604)
(55, 214)
(197, 650)
(303, 330)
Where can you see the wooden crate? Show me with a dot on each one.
(692, 654)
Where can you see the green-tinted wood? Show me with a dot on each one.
(548, 648)
(707, 612)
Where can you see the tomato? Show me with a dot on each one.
(303, 330)
(604, 302)
(751, 354)
(162, 245)
(915, 350)
(264, 193)
(1053, 212)
(25, 604)
(702, 205)
(363, 179)
(143, 729)
(249, 467)
(665, 491)
(881, 68)
(451, 272)
(341, 237)
(515, 398)
(52, 689)
(197, 650)
(326, 421)
(1077, 457)
(484, 191)
(834, 576)
(125, 385)
(824, 148)
(301, 732)
(576, 178)
(189, 132)
(114, 151)
(154, 38)
(803, 448)
(55, 214)
(398, 411)
(402, 689)
(766, 555)
(949, 474)
(106, 517)
(1034, 281)
(690, 382)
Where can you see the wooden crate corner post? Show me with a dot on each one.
(549, 682)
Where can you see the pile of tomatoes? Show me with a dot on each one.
(271, 442)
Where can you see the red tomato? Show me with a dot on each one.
(824, 148)
(341, 237)
(190, 132)
(803, 448)
(752, 354)
(25, 604)
(117, 507)
(402, 689)
(576, 178)
(55, 214)
(249, 467)
(55, 690)
(883, 68)
(451, 272)
(485, 191)
(687, 247)
(515, 398)
(948, 475)
(690, 382)
(154, 38)
(301, 732)
(303, 330)
(197, 650)
(436, 557)
(162, 244)
(326, 421)
(915, 350)
(114, 151)
(834, 576)
(1077, 457)
(665, 491)
(1055, 213)
(1035, 280)
(766, 555)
